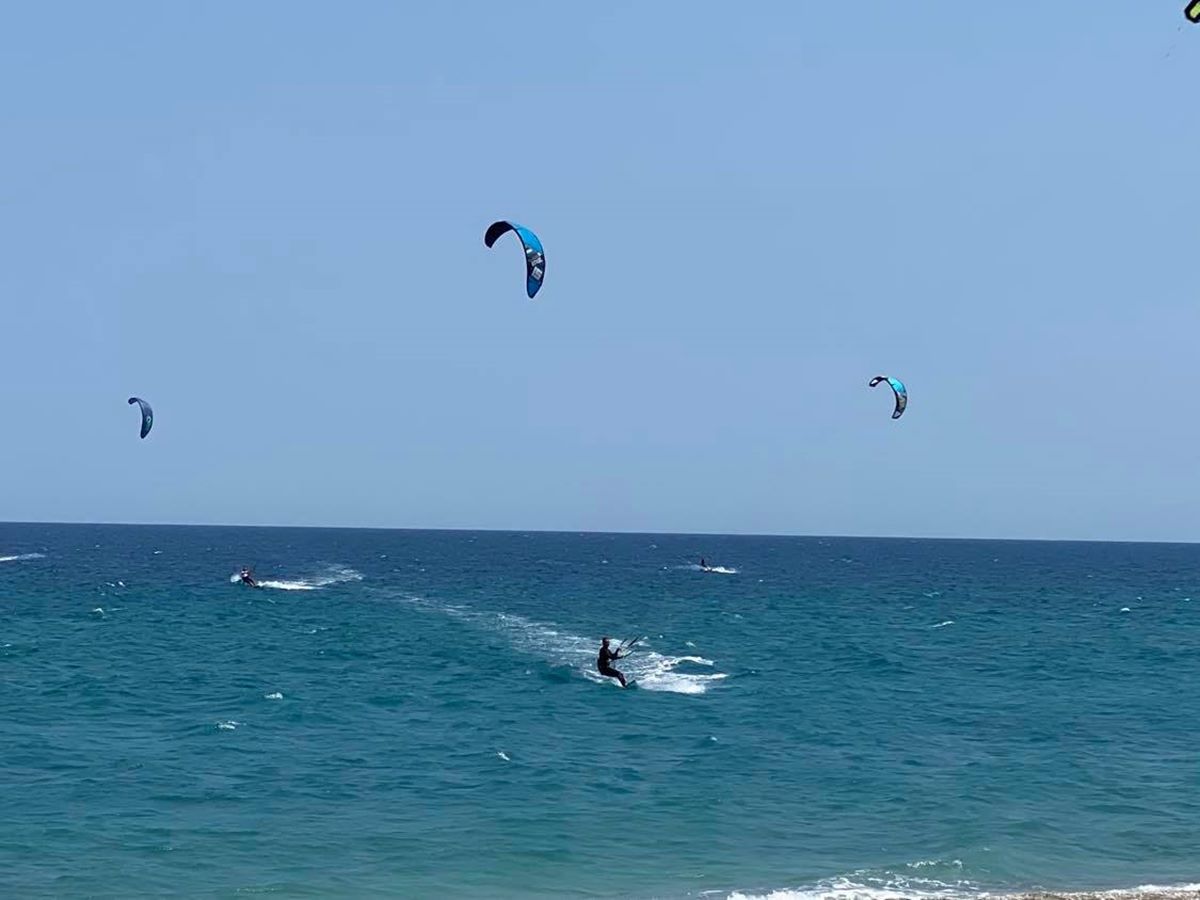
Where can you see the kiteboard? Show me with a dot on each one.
(629, 683)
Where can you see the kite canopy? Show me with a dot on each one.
(898, 389)
(535, 257)
(1193, 11)
(147, 414)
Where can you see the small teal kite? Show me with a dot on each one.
(898, 389)
(535, 257)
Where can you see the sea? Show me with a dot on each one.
(418, 714)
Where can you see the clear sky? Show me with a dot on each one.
(267, 219)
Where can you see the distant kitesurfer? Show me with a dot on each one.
(247, 578)
(605, 660)
(703, 563)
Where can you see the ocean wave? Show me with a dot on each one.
(900, 887)
(332, 575)
(863, 892)
(21, 557)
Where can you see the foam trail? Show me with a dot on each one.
(921, 889)
(333, 575)
(21, 557)
(711, 570)
(655, 672)
(287, 585)
(651, 671)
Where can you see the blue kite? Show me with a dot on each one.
(898, 389)
(535, 257)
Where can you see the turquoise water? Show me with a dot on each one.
(415, 714)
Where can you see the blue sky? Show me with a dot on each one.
(267, 219)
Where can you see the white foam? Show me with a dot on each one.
(917, 888)
(503, 755)
(660, 675)
(273, 696)
(20, 557)
(943, 624)
(229, 725)
(855, 893)
(551, 643)
(333, 575)
(1124, 609)
(886, 889)
(288, 585)
(709, 570)
(99, 610)
(655, 672)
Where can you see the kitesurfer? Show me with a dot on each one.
(703, 563)
(247, 578)
(605, 660)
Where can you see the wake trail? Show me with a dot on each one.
(549, 643)
(331, 576)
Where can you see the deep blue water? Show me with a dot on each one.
(415, 714)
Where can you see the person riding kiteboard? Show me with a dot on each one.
(606, 658)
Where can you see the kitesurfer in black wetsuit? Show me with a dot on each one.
(605, 660)
(247, 578)
(703, 563)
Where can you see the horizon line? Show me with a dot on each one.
(628, 532)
